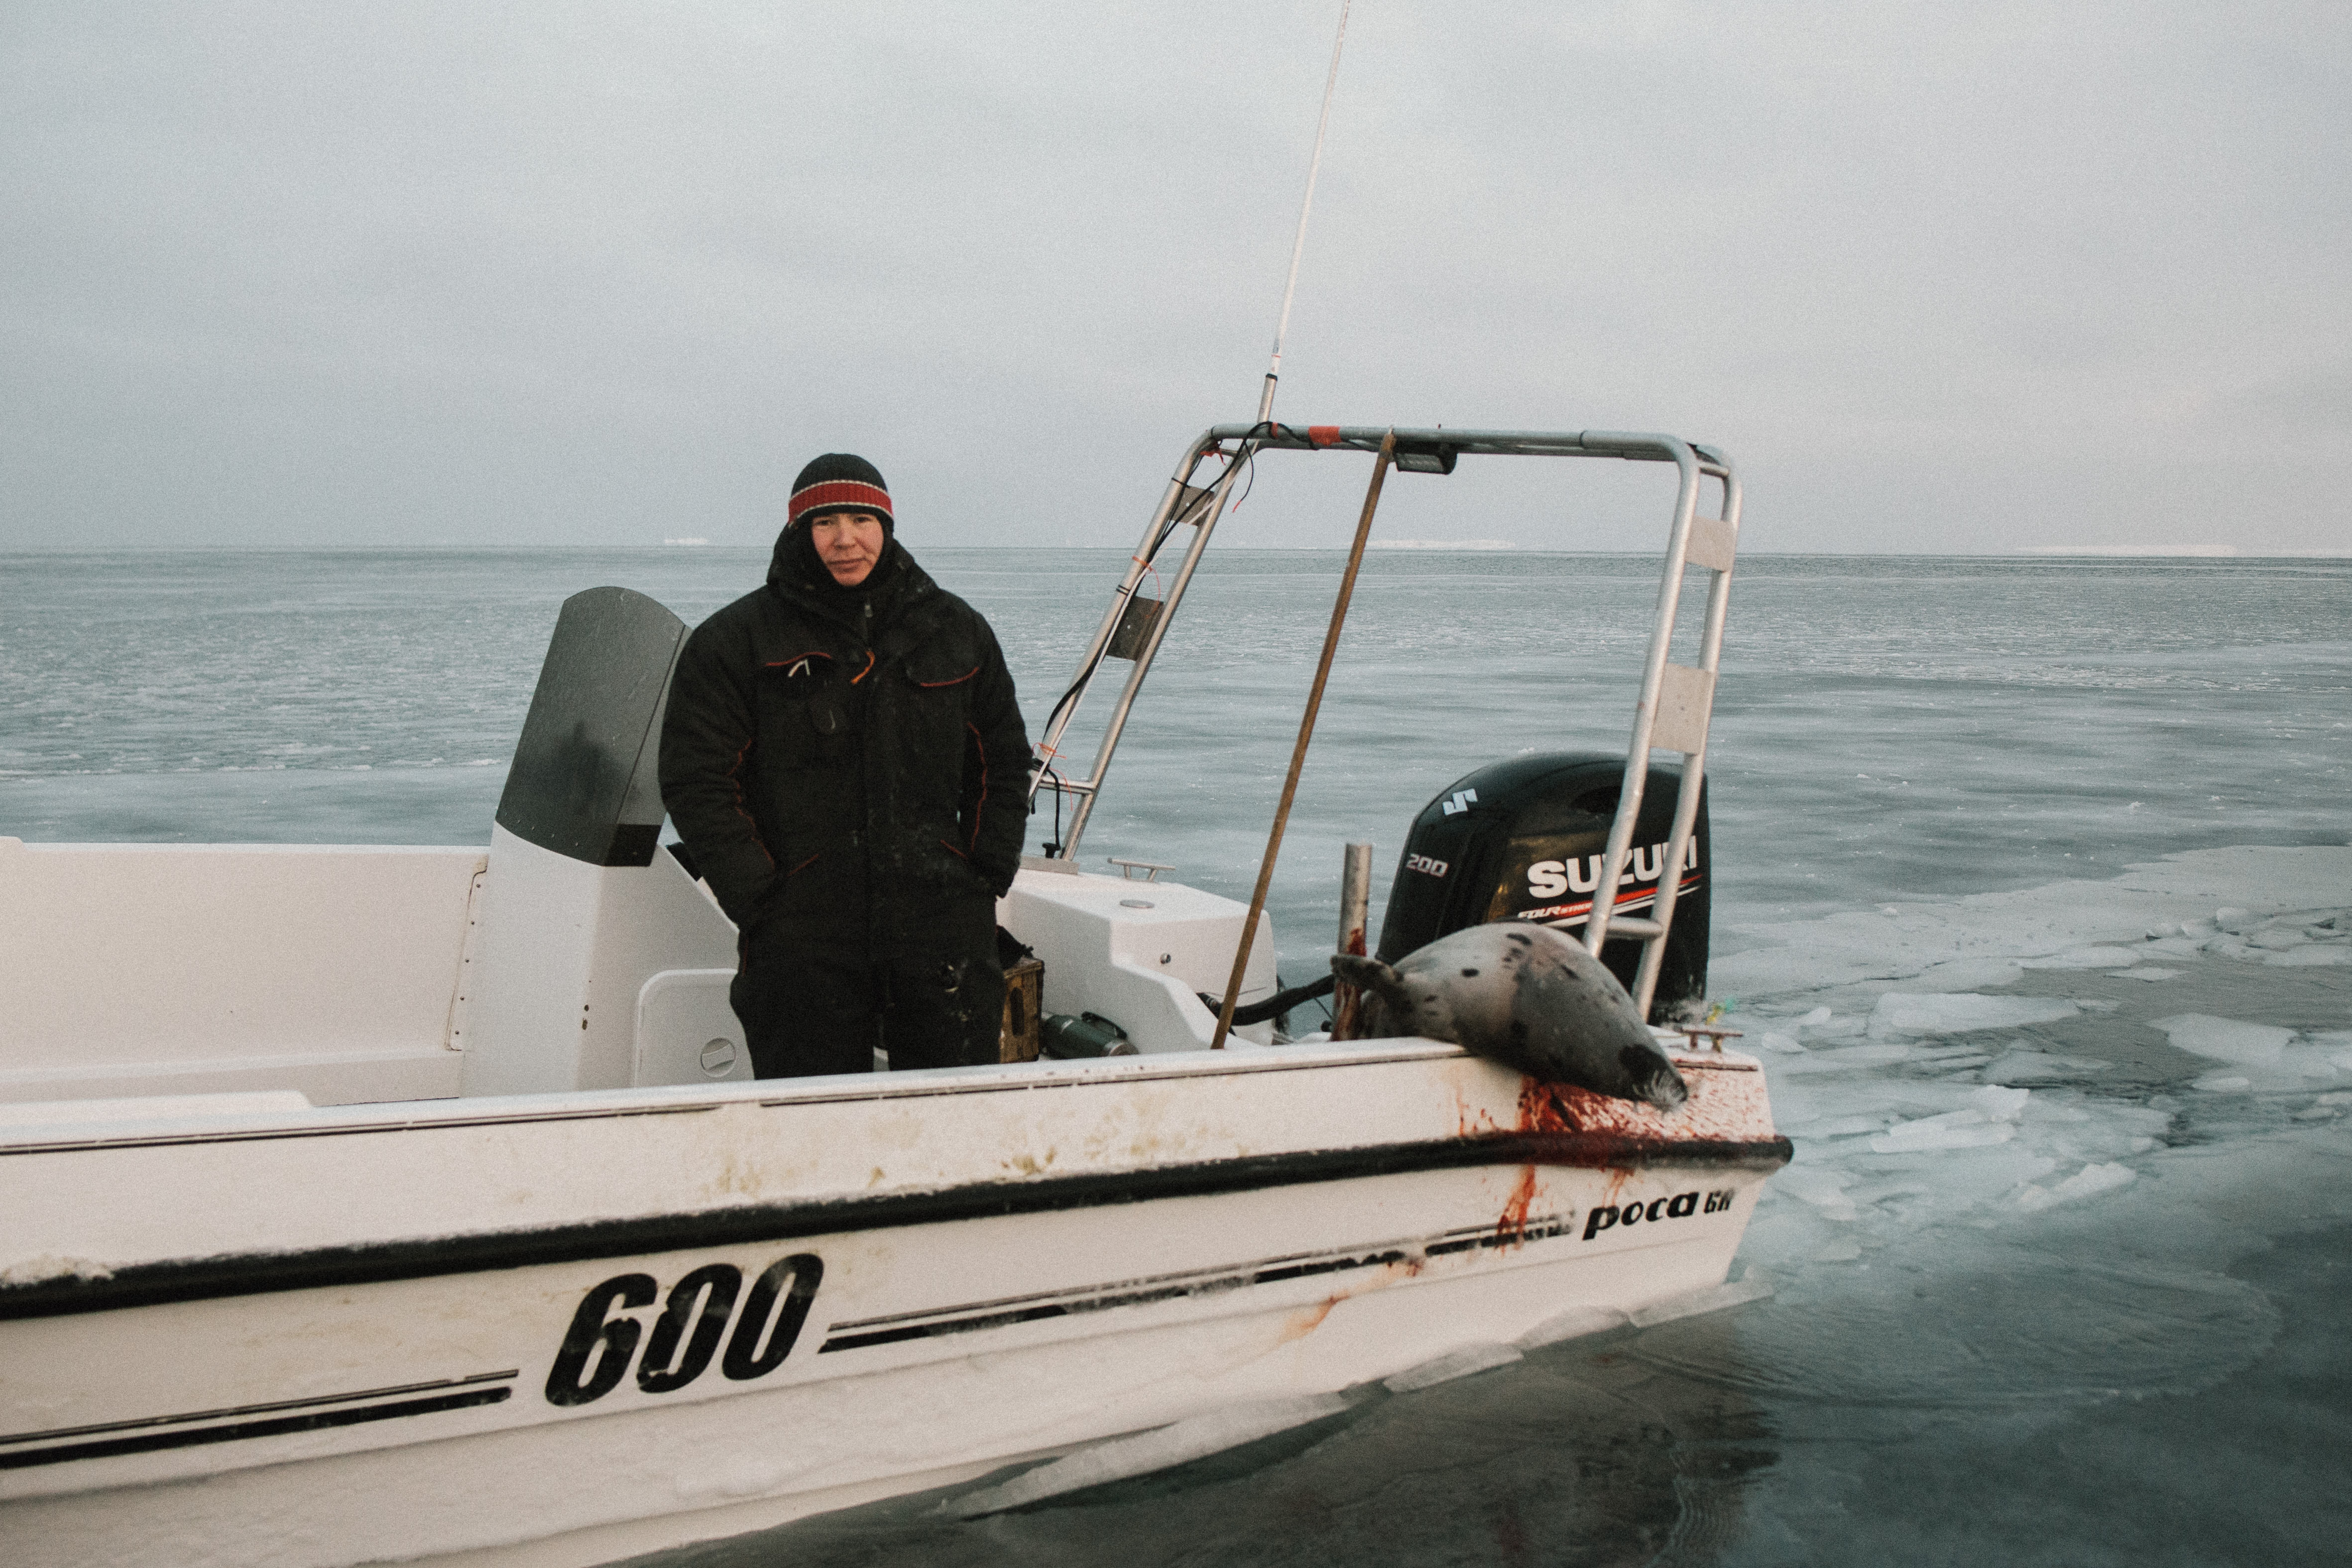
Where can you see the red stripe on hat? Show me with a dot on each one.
(838, 495)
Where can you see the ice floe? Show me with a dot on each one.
(1957, 1012)
(1970, 974)
(2225, 1039)
(1464, 1363)
(2088, 1183)
(1990, 1118)
(2042, 1067)
(1148, 1451)
(2187, 892)
(2084, 958)
(1711, 1299)
(1573, 1323)
(1929, 1101)
(2164, 942)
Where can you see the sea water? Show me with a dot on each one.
(2032, 892)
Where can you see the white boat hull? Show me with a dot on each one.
(293, 1341)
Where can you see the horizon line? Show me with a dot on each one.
(1415, 546)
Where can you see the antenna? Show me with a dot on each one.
(1298, 246)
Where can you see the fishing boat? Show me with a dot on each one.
(373, 1203)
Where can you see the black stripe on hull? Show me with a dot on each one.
(250, 1273)
(1170, 1287)
(270, 1408)
(188, 1438)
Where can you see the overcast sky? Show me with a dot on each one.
(1990, 276)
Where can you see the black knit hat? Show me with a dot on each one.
(840, 481)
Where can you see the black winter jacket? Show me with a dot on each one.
(809, 721)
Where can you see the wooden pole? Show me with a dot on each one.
(1305, 735)
(1355, 917)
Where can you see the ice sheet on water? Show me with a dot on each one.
(1844, 1126)
(2088, 1183)
(1970, 974)
(2084, 958)
(2042, 1067)
(1998, 1104)
(1148, 1451)
(1574, 1323)
(2301, 1064)
(1957, 1012)
(1712, 1299)
(1990, 1117)
(2225, 1039)
(1837, 1058)
(1464, 1363)
(1947, 1058)
(2181, 890)
(1914, 1146)
(2172, 947)
(1823, 1188)
(1935, 1132)
(2311, 957)
(2305, 1060)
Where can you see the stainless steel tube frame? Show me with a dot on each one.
(1693, 463)
(1718, 597)
(1206, 512)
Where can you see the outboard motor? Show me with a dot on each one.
(1522, 840)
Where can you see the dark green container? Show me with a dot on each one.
(1065, 1039)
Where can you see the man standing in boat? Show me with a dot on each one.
(844, 760)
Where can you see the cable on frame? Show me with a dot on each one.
(1244, 452)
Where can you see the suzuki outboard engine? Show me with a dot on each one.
(1522, 840)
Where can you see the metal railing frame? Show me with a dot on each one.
(1694, 685)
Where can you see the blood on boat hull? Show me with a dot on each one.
(629, 1319)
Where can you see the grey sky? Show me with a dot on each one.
(1948, 278)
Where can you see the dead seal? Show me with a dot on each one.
(1524, 995)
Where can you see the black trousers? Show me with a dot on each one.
(931, 996)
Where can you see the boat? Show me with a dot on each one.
(373, 1203)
